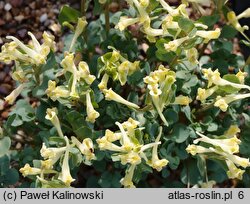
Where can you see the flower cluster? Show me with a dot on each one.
(52, 155)
(80, 75)
(169, 26)
(223, 148)
(113, 65)
(160, 84)
(129, 150)
(215, 82)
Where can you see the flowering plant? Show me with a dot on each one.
(147, 95)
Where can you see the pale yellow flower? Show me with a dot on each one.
(51, 114)
(230, 145)
(222, 102)
(196, 149)
(11, 98)
(232, 19)
(92, 114)
(28, 170)
(155, 162)
(65, 175)
(233, 171)
(84, 73)
(127, 181)
(208, 35)
(244, 14)
(130, 158)
(55, 92)
(203, 94)
(232, 131)
(104, 144)
(173, 45)
(81, 24)
(104, 82)
(111, 95)
(213, 77)
(125, 21)
(182, 100)
(241, 76)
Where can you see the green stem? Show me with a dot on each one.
(174, 61)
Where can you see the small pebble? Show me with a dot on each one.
(22, 32)
(43, 17)
(7, 7)
(19, 18)
(5, 114)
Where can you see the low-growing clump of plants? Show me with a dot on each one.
(144, 95)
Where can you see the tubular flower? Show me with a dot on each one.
(228, 145)
(127, 181)
(244, 14)
(169, 23)
(110, 95)
(233, 171)
(52, 155)
(241, 76)
(104, 144)
(125, 22)
(203, 94)
(181, 10)
(208, 35)
(111, 136)
(86, 148)
(196, 149)
(52, 116)
(10, 52)
(213, 77)
(173, 45)
(130, 158)
(92, 114)
(182, 100)
(28, 170)
(69, 65)
(19, 75)
(222, 102)
(84, 73)
(11, 98)
(155, 162)
(232, 131)
(232, 19)
(65, 175)
(56, 92)
(104, 82)
(81, 24)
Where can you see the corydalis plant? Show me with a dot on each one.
(131, 151)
